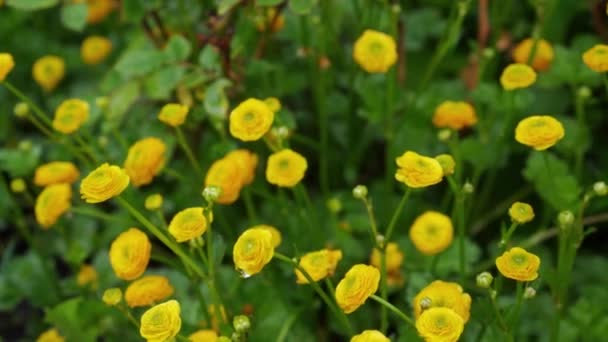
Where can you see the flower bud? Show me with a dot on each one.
(25, 145)
(112, 296)
(241, 323)
(529, 293)
(380, 240)
(488, 53)
(493, 294)
(360, 192)
(396, 8)
(484, 280)
(102, 102)
(584, 92)
(565, 218)
(425, 303)
(468, 188)
(334, 205)
(21, 110)
(18, 185)
(281, 132)
(154, 202)
(103, 141)
(212, 193)
(600, 188)
(444, 135)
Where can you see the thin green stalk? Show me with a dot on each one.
(201, 299)
(372, 221)
(394, 309)
(184, 144)
(92, 212)
(514, 315)
(129, 315)
(434, 262)
(41, 127)
(505, 239)
(391, 80)
(501, 321)
(120, 138)
(287, 325)
(161, 217)
(462, 256)
(396, 214)
(383, 291)
(249, 206)
(581, 122)
(41, 115)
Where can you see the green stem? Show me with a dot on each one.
(129, 315)
(505, 239)
(383, 291)
(514, 316)
(396, 214)
(95, 213)
(287, 325)
(161, 217)
(394, 309)
(249, 205)
(184, 144)
(462, 256)
(41, 115)
(580, 118)
(501, 321)
(41, 127)
(372, 221)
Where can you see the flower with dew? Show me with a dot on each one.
(51, 335)
(130, 254)
(87, 276)
(370, 336)
(173, 114)
(360, 282)
(521, 213)
(56, 172)
(375, 51)
(432, 232)
(144, 160)
(276, 234)
(148, 290)
(418, 171)
(161, 322)
(543, 53)
(286, 168)
(394, 257)
(70, 116)
(153, 202)
(188, 224)
(318, 265)
(455, 115)
(225, 173)
(447, 163)
(51, 203)
(112, 296)
(98, 10)
(596, 58)
(440, 324)
(518, 264)
(103, 183)
(516, 76)
(203, 335)
(250, 120)
(252, 251)
(48, 71)
(443, 294)
(7, 63)
(539, 132)
(247, 162)
(95, 49)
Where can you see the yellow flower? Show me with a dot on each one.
(394, 257)
(154, 202)
(521, 212)
(161, 322)
(56, 172)
(70, 115)
(95, 49)
(145, 159)
(276, 234)
(447, 163)
(517, 76)
(51, 335)
(252, 251)
(7, 63)
(446, 295)
(273, 103)
(318, 264)
(440, 325)
(596, 58)
(432, 232)
(87, 276)
(360, 282)
(130, 254)
(112, 296)
(188, 224)
(250, 120)
(375, 51)
(226, 174)
(285, 168)
(98, 10)
(418, 171)
(18, 185)
(370, 336)
(543, 55)
(48, 71)
(203, 336)
(539, 132)
(518, 264)
(455, 115)
(173, 114)
(51, 203)
(103, 183)
(247, 162)
(148, 290)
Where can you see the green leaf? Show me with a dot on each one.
(209, 59)
(161, 83)
(268, 2)
(216, 101)
(77, 318)
(32, 278)
(225, 5)
(19, 163)
(139, 62)
(178, 49)
(31, 5)
(121, 100)
(74, 16)
(134, 10)
(302, 7)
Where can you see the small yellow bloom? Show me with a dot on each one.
(539, 131)
(273, 103)
(439, 325)
(98, 10)
(596, 58)
(206, 335)
(250, 120)
(112, 296)
(447, 163)
(188, 224)
(517, 76)
(444, 294)
(518, 264)
(161, 322)
(455, 115)
(375, 51)
(173, 114)
(48, 71)
(370, 336)
(51, 335)
(130, 254)
(154, 202)
(394, 258)
(276, 234)
(95, 49)
(145, 159)
(103, 183)
(226, 174)
(51, 203)
(432, 232)
(148, 290)
(252, 251)
(247, 162)
(285, 168)
(7, 63)
(318, 265)
(56, 172)
(18, 185)
(543, 55)
(71, 115)
(360, 282)
(418, 171)
(521, 212)
(87, 276)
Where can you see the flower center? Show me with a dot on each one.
(519, 259)
(249, 116)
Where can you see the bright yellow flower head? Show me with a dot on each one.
(543, 56)
(51, 203)
(51, 335)
(48, 71)
(206, 335)
(161, 322)
(252, 251)
(18, 185)
(539, 132)
(285, 168)
(188, 224)
(7, 63)
(444, 294)
(432, 232)
(276, 234)
(173, 114)
(103, 183)
(455, 115)
(130, 254)
(370, 336)
(250, 120)
(145, 159)
(394, 257)
(521, 212)
(154, 202)
(70, 115)
(518, 264)
(95, 49)
(517, 76)
(375, 51)
(418, 171)
(360, 282)
(112, 296)
(440, 325)
(87, 276)
(596, 58)
(226, 174)
(318, 264)
(273, 103)
(148, 290)
(56, 172)
(247, 162)
(447, 163)
(98, 10)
